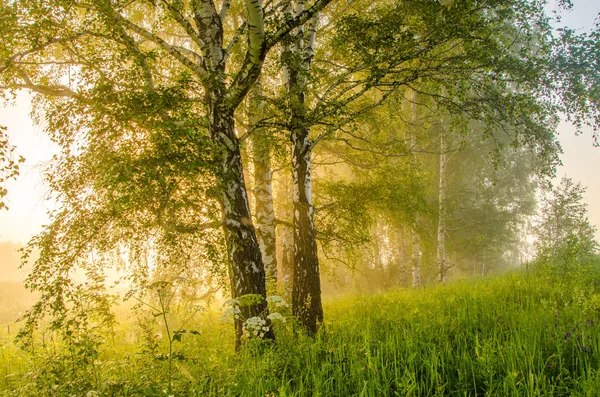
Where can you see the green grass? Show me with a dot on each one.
(517, 334)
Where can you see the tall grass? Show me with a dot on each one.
(518, 334)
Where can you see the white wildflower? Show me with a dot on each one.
(232, 312)
(276, 316)
(256, 326)
(231, 303)
(276, 301)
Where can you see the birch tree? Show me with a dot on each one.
(100, 47)
(387, 46)
(415, 258)
(306, 286)
(263, 188)
(441, 229)
(565, 237)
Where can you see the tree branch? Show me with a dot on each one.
(51, 90)
(234, 41)
(290, 24)
(185, 24)
(199, 70)
(224, 9)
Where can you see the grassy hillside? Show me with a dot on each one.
(517, 334)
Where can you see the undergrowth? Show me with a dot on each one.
(517, 334)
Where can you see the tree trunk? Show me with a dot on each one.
(246, 270)
(404, 277)
(285, 272)
(416, 260)
(416, 244)
(306, 293)
(263, 190)
(377, 263)
(441, 232)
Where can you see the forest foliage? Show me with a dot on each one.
(247, 150)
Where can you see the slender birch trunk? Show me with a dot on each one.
(415, 240)
(306, 292)
(263, 189)
(285, 275)
(377, 265)
(441, 231)
(416, 260)
(405, 250)
(394, 272)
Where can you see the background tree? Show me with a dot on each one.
(565, 238)
(489, 66)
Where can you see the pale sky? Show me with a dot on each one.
(581, 160)
(27, 209)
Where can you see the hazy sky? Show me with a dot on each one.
(27, 208)
(581, 160)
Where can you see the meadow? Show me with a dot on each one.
(515, 334)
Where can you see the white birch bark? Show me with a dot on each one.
(285, 261)
(416, 260)
(377, 262)
(415, 240)
(246, 270)
(263, 190)
(306, 294)
(441, 229)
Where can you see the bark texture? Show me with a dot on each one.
(246, 270)
(306, 291)
(415, 239)
(306, 295)
(285, 271)
(441, 230)
(416, 260)
(263, 190)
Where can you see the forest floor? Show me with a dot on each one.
(515, 334)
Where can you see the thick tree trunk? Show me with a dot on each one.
(246, 270)
(441, 232)
(306, 293)
(263, 191)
